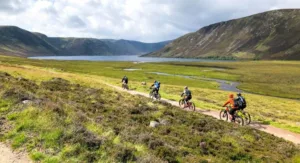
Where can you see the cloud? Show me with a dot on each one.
(143, 20)
(13, 6)
(75, 22)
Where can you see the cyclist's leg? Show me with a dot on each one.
(185, 101)
(153, 90)
(233, 115)
(231, 112)
(188, 98)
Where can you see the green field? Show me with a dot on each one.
(277, 82)
(80, 119)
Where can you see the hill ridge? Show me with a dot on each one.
(268, 35)
(16, 41)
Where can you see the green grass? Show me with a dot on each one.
(271, 78)
(67, 122)
(37, 156)
(18, 140)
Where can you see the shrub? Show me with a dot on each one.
(125, 154)
(37, 156)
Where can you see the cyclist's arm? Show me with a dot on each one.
(227, 102)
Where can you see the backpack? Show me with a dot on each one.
(125, 79)
(157, 85)
(188, 93)
(240, 103)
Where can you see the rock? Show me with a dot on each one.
(154, 124)
(143, 83)
(202, 145)
(26, 101)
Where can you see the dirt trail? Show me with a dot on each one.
(287, 135)
(9, 156)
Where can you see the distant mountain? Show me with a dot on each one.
(89, 46)
(18, 42)
(268, 35)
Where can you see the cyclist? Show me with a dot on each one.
(241, 102)
(232, 107)
(125, 80)
(187, 94)
(155, 86)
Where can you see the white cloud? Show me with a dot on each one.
(143, 20)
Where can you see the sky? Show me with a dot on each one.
(141, 20)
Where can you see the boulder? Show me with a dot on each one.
(154, 124)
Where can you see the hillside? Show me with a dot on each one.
(18, 42)
(88, 46)
(15, 41)
(57, 120)
(268, 35)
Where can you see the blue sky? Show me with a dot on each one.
(142, 20)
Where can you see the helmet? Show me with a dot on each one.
(154, 81)
(231, 95)
(186, 87)
(239, 94)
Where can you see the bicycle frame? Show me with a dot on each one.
(227, 110)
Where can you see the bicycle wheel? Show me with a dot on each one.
(158, 97)
(151, 95)
(192, 106)
(239, 120)
(224, 115)
(247, 118)
(180, 102)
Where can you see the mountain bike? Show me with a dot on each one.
(184, 104)
(125, 86)
(224, 114)
(245, 115)
(154, 95)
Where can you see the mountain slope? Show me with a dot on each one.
(18, 42)
(90, 46)
(269, 35)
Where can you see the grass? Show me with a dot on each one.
(71, 122)
(279, 112)
(272, 78)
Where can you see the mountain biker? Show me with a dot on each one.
(232, 107)
(242, 104)
(125, 80)
(187, 94)
(155, 86)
